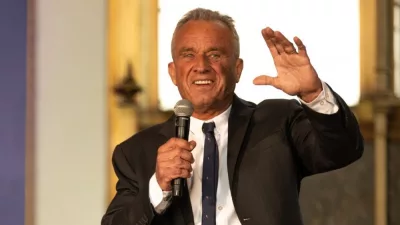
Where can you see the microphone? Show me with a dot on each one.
(183, 111)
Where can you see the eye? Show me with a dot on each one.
(188, 55)
(215, 56)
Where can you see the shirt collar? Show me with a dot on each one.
(221, 122)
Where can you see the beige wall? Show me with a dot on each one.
(70, 116)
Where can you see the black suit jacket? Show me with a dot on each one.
(271, 147)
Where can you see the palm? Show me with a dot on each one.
(296, 75)
(290, 69)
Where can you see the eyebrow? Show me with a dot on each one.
(185, 49)
(189, 49)
(214, 49)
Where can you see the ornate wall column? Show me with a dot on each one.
(30, 116)
(132, 64)
(385, 103)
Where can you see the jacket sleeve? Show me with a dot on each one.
(324, 142)
(131, 204)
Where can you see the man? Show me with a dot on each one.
(243, 162)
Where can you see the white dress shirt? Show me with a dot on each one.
(325, 103)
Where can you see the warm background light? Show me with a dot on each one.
(329, 29)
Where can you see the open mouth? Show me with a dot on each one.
(203, 82)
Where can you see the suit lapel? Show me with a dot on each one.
(239, 119)
(168, 128)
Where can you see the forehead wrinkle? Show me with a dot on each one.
(206, 46)
(189, 37)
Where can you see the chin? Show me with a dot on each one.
(203, 101)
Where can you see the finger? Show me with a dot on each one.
(168, 174)
(192, 144)
(173, 164)
(184, 144)
(165, 157)
(165, 181)
(287, 46)
(182, 164)
(266, 80)
(279, 42)
(269, 37)
(184, 174)
(176, 153)
(176, 147)
(186, 155)
(300, 46)
(164, 174)
(177, 143)
(178, 173)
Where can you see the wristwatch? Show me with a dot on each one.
(167, 195)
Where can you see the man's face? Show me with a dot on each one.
(205, 68)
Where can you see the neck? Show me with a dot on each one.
(207, 112)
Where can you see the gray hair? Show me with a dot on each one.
(209, 15)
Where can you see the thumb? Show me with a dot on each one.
(265, 80)
(192, 144)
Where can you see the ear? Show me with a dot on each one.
(239, 69)
(172, 72)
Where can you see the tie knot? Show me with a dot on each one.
(208, 127)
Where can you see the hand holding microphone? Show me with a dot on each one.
(174, 158)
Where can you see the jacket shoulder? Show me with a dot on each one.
(277, 108)
(143, 139)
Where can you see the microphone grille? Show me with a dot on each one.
(183, 108)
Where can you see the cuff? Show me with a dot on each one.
(325, 103)
(159, 199)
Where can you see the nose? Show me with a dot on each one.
(202, 65)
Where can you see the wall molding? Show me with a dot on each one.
(30, 115)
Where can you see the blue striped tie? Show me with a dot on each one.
(210, 175)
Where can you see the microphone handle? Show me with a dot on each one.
(182, 125)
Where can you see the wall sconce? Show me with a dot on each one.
(127, 89)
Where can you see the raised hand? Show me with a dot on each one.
(296, 75)
(174, 160)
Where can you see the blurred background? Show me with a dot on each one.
(78, 77)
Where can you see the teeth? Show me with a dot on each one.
(203, 82)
